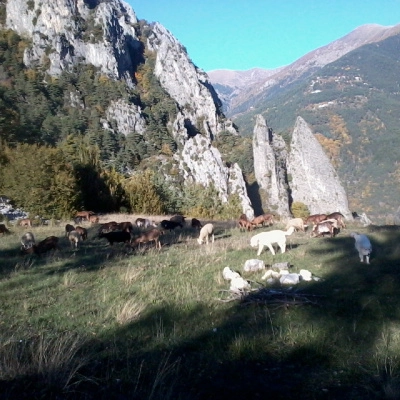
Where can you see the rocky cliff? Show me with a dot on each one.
(312, 178)
(270, 155)
(304, 174)
(106, 34)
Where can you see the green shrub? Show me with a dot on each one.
(300, 210)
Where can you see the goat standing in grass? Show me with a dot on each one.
(363, 246)
(150, 236)
(27, 241)
(269, 238)
(206, 232)
(74, 238)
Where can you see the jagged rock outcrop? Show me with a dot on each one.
(105, 34)
(270, 154)
(202, 163)
(189, 86)
(127, 117)
(313, 180)
(66, 32)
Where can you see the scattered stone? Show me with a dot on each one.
(237, 282)
(305, 275)
(281, 266)
(254, 265)
(289, 279)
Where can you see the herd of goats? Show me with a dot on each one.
(123, 232)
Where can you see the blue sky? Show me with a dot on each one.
(244, 34)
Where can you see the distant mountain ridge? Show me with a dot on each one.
(350, 104)
(239, 93)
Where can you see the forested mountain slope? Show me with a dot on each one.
(352, 106)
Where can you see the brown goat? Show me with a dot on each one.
(108, 227)
(264, 219)
(4, 230)
(339, 218)
(84, 214)
(125, 226)
(82, 232)
(245, 224)
(44, 246)
(69, 228)
(94, 219)
(150, 236)
(25, 223)
(315, 219)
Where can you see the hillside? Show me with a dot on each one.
(350, 104)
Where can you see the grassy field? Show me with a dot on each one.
(107, 322)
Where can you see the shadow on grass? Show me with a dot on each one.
(334, 349)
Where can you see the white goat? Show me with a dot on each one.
(363, 246)
(27, 240)
(74, 237)
(297, 223)
(206, 232)
(269, 238)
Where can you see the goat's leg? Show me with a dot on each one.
(271, 248)
(260, 249)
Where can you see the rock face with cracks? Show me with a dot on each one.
(106, 35)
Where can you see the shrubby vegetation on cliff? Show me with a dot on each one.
(56, 156)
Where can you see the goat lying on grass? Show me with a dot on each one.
(269, 238)
(363, 246)
(206, 232)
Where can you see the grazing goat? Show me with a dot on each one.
(78, 220)
(82, 232)
(363, 246)
(328, 226)
(74, 237)
(145, 223)
(27, 240)
(116, 237)
(4, 230)
(264, 219)
(125, 226)
(297, 223)
(206, 232)
(314, 219)
(140, 222)
(196, 223)
(69, 228)
(170, 225)
(108, 227)
(26, 223)
(178, 218)
(94, 219)
(269, 238)
(44, 246)
(338, 217)
(84, 214)
(244, 223)
(151, 236)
